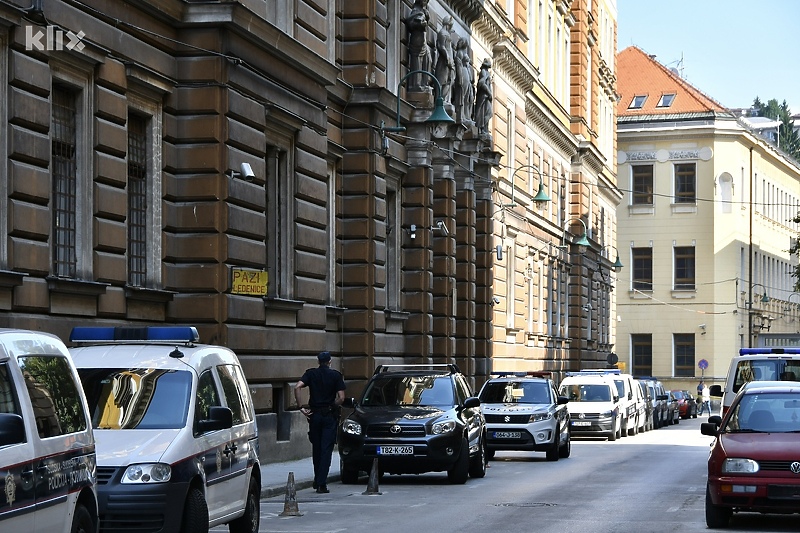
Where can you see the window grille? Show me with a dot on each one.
(64, 181)
(137, 200)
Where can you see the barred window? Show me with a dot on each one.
(642, 350)
(64, 180)
(642, 259)
(685, 183)
(642, 185)
(684, 354)
(137, 200)
(684, 268)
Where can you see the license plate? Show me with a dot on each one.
(507, 435)
(395, 450)
(581, 423)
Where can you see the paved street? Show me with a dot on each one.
(653, 482)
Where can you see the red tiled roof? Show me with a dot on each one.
(638, 74)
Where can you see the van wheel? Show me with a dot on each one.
(248, 522)
(458, 474)
(195, 512)
(613, 435)
(82, 520)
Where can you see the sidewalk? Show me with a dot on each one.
(274, 476)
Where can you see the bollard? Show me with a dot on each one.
(372, 485)
(290, 503)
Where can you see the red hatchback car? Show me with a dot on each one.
(754, 463)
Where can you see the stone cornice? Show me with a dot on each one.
(514, 65)
(544, 123)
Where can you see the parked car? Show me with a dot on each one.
(415, 418)
(524, 412)
(47, 446)
(673, 409)
(659, 398)
(594, 405)
(753, 465)
(649, 405)
(687, 404)
(177, 445)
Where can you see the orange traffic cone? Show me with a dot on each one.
(290, 503)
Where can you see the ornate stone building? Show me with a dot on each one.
(266, 171)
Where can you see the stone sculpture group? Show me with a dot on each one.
(451, 63)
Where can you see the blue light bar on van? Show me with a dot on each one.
(777, 351)
(130, 334)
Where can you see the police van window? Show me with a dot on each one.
(234, 387)
(54, 395)
(137, 398)
(8, 400)
(207, 395)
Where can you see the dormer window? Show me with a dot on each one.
(638, 101)
(666, 100)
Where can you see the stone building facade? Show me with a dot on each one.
(240, 167)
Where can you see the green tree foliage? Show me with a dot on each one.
(788, 140)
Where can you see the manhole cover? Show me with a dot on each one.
(524, 504)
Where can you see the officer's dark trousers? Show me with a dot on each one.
(322, 432)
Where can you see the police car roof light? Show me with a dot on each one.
(132, 334)
(450, 367)
(755, 351)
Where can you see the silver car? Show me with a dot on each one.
(524, 412)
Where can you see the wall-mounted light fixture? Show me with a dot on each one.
(764, 298)
(541, 197)
(789, 301)
(439, 115)
(246, 172)
(617, 265)
(412, 231)
(440, 225)
(582, 241)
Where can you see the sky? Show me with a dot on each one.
(731, 50)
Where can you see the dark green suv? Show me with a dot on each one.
(414, 419)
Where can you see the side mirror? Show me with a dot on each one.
(350, 403)
(561, 400)
(709, 428)
(472, 402)
(12, 429)
(715, 390)
(218, 418)
(630, 395)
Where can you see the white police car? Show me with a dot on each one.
(47, 450)
(524, 412)
(177, 447)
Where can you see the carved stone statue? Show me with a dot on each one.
(483, 98)
(464, 86)
(419, 53)
(445, 61)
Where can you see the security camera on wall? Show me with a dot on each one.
(247, 172)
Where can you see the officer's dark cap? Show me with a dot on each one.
(324, 357)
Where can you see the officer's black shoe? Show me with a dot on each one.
(314, 485)
(322, 490)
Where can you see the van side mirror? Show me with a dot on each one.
(715, 390)
(218, 418)
(12, 429)
(350, 403)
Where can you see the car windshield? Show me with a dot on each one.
(776, 369)
(773, 412)
(515, 392)
(409, 391)
(137, 398)
(586, 392)
(678, 394)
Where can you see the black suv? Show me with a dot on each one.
(414, 419)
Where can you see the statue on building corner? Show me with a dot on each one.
(464, 85)
(483, 97)
(419, 53)
(445, 70)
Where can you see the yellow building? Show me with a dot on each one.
(705, 225)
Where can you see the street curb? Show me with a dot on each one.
(274, 490)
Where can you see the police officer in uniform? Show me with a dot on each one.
(326, 394)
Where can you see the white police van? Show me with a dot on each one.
(47, 449)
(177, 447)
